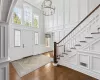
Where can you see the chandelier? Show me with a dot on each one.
(47, 8)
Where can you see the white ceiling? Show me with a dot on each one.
(36, 3)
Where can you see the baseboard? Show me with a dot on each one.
(82, 70)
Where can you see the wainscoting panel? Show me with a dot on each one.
(67, 11)
(83, 8)
(60, 12)
(61, 35)
(2, 42)
(4, 70)
(96, 64)
(3, 73)
(56, 36)
(4, 51)
(84, 61)
(73, 11)
(73, 59)
(46, 22)
(95, 46)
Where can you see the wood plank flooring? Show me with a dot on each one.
(49, 72)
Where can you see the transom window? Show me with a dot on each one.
(17, 16)
(36, 21)
(29, 18)
(27, 15)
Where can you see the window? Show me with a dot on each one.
(36, 21)
(47, 40)
(27, 15)
(36, 38)
(17, 38)
(17, 15)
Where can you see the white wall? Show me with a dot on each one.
(68, 14)
(27, 37)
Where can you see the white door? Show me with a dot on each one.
(27, 42)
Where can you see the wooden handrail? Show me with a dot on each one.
(80, 23)
(55, 44)
(55, 52)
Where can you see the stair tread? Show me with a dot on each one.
(89, 37)
(77, 45)
(83, 41)
(65, 53)
(95, 33)
(73, 48)
(69, 51)
(61, 56)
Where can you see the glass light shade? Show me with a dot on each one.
(47, 8)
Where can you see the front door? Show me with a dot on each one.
(27, 42)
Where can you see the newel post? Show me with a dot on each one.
(55, 53)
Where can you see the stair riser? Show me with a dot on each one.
(89, 40)
(96, 36)
(78, 47)
(83, 44)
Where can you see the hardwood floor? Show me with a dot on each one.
(49, 54)
(49, 72)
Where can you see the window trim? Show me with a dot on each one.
(38, 20)
(15, 37)
(35, 38)
(21, 16)
(47, 40)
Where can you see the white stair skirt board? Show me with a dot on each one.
(27, 65)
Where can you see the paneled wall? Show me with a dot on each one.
(4, 51)
(4, 67)
(86, 61)
(86, 57)
(68, 14)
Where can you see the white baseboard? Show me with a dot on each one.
(82, 70)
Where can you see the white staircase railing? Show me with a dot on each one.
(81, 35)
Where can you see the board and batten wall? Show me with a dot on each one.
(67, 15)
(27, 37)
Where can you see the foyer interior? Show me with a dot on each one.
(63, 44)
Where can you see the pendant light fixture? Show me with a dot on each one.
(47, 8)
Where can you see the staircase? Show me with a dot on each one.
(74, 51)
